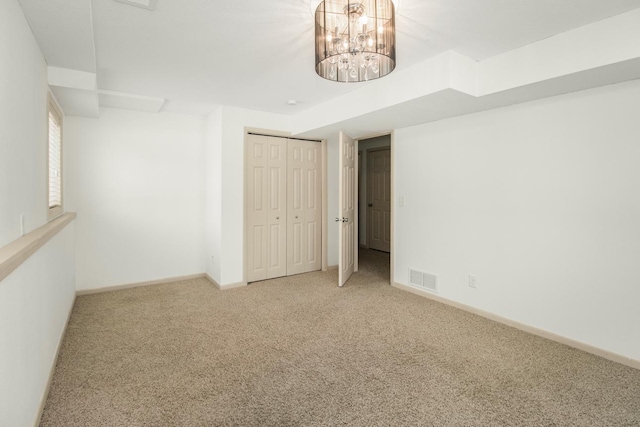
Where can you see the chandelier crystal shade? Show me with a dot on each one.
(355, 40)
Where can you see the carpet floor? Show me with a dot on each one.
(299, 351)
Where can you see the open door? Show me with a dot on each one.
(348, 208)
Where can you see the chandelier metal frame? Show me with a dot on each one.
(355, 40)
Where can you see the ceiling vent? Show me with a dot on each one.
(145, 4)
(425, 281)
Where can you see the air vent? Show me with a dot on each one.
(423, 280)
(416, 278)
(145, 4)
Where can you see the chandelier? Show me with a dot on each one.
(355, 40)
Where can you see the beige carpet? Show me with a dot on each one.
(300, 351)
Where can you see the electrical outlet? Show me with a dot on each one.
(473, 281)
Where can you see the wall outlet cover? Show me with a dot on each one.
(473, 281)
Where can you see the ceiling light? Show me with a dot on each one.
(313, 5)
(355, 40)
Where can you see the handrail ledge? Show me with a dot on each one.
(18, 251)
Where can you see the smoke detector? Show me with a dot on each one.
(145, 4)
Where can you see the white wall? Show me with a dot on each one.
(35, 299)
(541, 202)
(213, 197)
(364, 146)
(137, 182)
(23, 132)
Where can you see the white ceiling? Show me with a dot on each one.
(63, 29)
(197, 54)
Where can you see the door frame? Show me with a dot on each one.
(392, 251)
(367, 213)
(323, 169)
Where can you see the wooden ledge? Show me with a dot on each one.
(18, 251)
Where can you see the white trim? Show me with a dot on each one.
(623, 360)
(54, 362)
(138, 284)
(392, 255)
(356, 210)
(225, 287)
(52, 97)
(325, 208)
(53, 106)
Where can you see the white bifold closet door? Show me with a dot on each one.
(283, 207)
(304, 207)
(266, 207)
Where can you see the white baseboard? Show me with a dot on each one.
(45, 393)
(624, 360)
(225, 287)
(137, 285)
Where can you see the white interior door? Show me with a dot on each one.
(304, 207)
(266, 176)
(379, 203)
(348, 247)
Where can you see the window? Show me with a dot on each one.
(54, 182)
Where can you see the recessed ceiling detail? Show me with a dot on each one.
(145, 4)
(168, 53)
(128, 101)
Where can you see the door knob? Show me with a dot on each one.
(370, 205)
(345, 219)
(277, 217)
(337, 219)
(296, 216)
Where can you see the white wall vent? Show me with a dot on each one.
(423, 280)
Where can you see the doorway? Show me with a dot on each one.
(373, 242)
(378, 211)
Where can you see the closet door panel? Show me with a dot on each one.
(313, 217)
(277, 207)
(295, 208)
(304, 207)
(256, 209)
